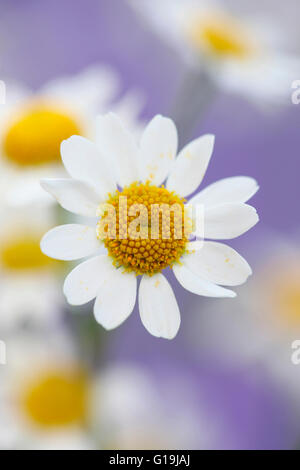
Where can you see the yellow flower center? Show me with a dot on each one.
(23, 253)
(34, 138)
(220, 37)
(56, 398)
(144, 228)
(288, 297)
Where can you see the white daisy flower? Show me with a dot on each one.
(276, 291)
(50, 400)
(272, 304)
(97, 170)
(244, 56)
(265, 321)
(33, 124)
(28, 279)
(45, 394)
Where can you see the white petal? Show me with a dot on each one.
(228, 190)
(157, 149)
(218, 263)
(190, 165)
(84, 161)
(116, 298)
(69, 242)
(158, 307)
(73, 195)
(197, 285)
(116, 143)
(229, 220)
(83, 283)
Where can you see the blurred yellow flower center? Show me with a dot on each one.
(57, 399)
(34, 138)
(144, 228)
(220, 37)
(288, 296)
(23, 253)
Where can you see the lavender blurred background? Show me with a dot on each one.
(244, 402)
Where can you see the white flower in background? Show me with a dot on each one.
(272, 303)
(262, 325)
(111, 276)
(28, 285)
(33, 124)
(44, 393)
(277, 290)
(241, 54)
(137, 412)
(50, 400)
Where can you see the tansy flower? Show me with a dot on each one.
(240, 55)
(32, 126)
(28, 279)
(97, 170)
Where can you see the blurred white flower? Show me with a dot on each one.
(137, 412)
(49, 400)
(241, 54)
(33, 124)
(44, 393)
(273, 302)
(262, 325)
(141, 172)
(29, 289)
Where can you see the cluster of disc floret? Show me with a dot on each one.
(144, 228)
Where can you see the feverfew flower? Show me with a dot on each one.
(125, 245)
(33, 124)
(240, 55)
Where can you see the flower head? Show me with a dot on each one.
(243, 56)
(263, 325)
(33, 125)
(143, 226)
(50, 399)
